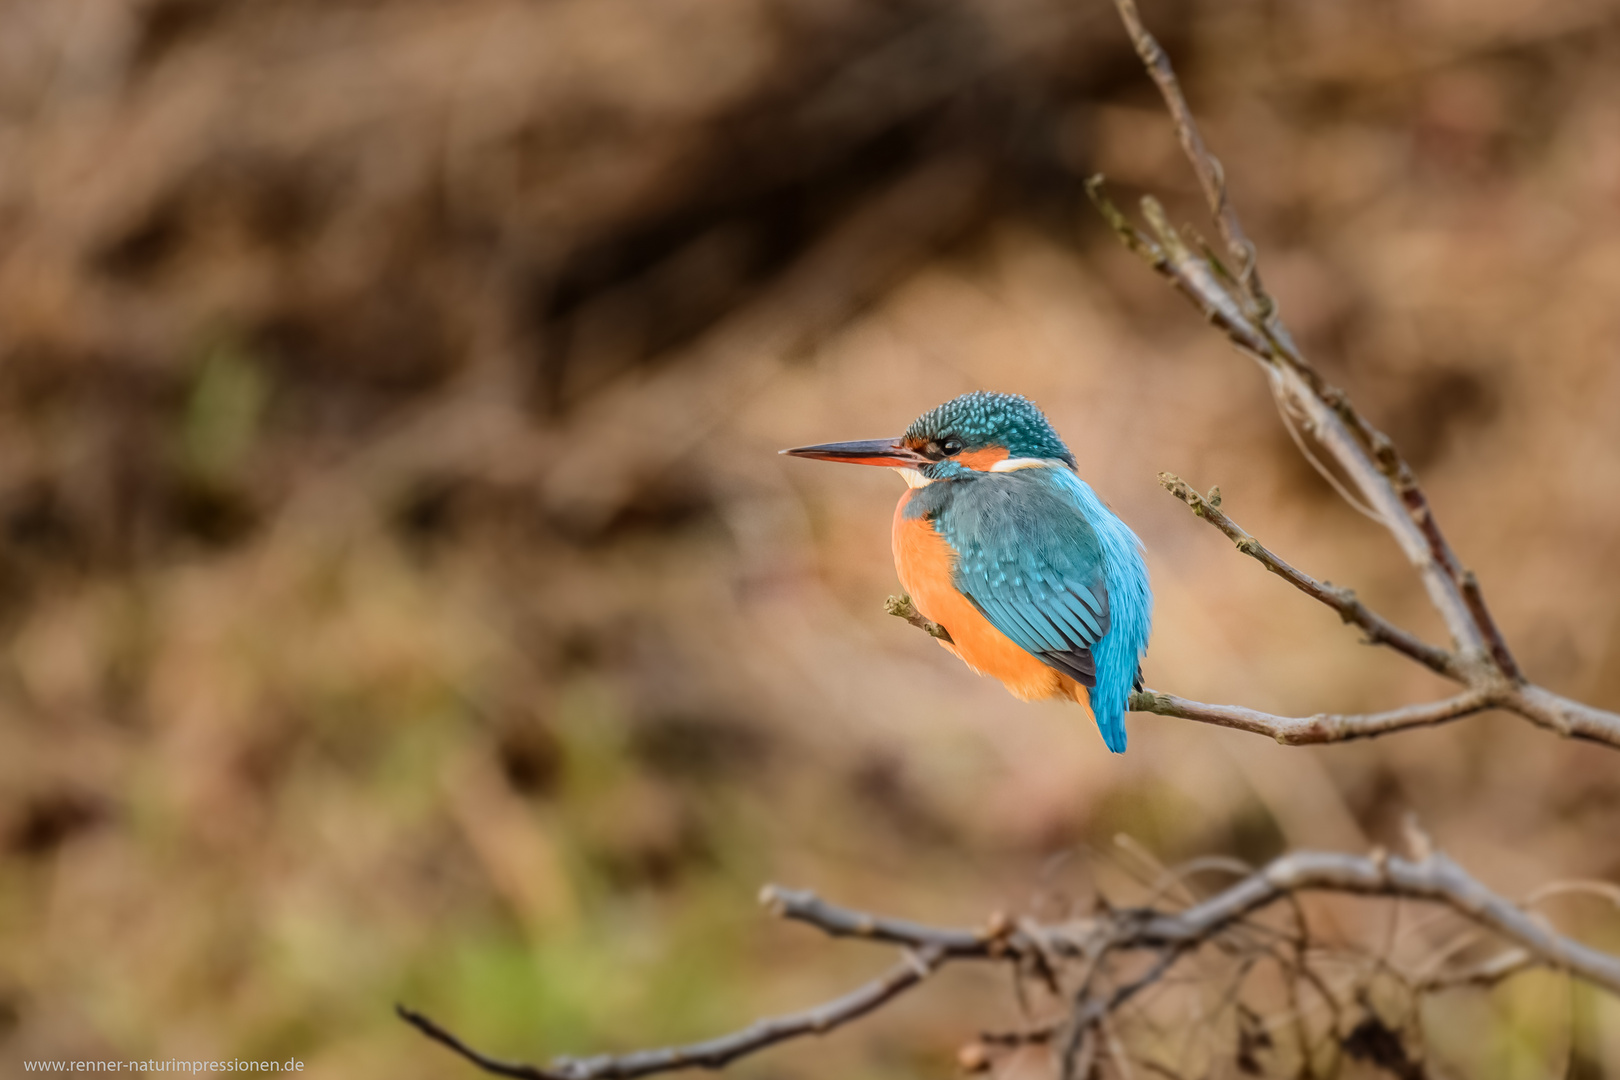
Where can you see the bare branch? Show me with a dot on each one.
(1492, 633)
(1362, 455)
(1573, 719)
(714, 1053)
(1091, 1012)
(1321, 728)
(1365, 454)
(1034, 1036)
(1211, 177)
(1168, 934)
(901, 607)
(1418, 540)
(1435, 878)
(1488, 688)
(1192, 275)
(1503, 965)
(801, 905)
(482, 1060)
(1379, 631)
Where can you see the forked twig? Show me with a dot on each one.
(1363, 457)
(1379, 630)
(1211, 176)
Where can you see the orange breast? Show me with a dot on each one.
(923, 559)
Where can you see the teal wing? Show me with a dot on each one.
(1033, 566)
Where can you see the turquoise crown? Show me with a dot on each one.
(982, 419)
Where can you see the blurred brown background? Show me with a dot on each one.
(401, 597)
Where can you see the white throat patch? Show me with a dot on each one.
(913, 478)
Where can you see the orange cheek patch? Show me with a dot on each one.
(981, 460)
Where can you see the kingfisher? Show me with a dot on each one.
(999, 541)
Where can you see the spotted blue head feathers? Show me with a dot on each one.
(981, 420)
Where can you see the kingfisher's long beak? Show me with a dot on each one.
(892, 453)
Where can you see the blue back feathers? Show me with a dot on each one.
(1038, 553)
(1119, 654)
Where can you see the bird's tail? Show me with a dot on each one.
(1110, 717)
(1109, 713)
(1117, 673)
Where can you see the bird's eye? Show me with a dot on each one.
(951, 446)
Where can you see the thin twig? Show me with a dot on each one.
(713, 1053)
(1035, 1036)
(901, 607)
(1379, 630)
(1211, 177)
(1502, 966)
(1321, 728)
(482, 1060)
(1188, 273)
(999, 938)
(1572, 719)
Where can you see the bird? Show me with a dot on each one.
(999, 541)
